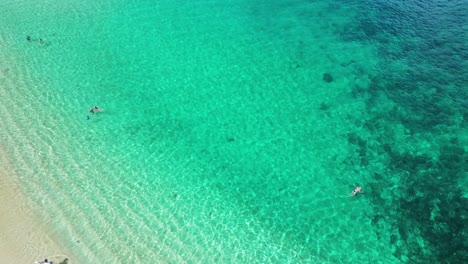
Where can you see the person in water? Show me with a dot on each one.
(97, 108)
(356, 191)
(91, 110)
(41, 41)
(28, 38)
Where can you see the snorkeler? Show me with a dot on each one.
(356, 191)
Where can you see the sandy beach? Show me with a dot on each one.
(23, 239)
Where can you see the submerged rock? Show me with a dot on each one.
(327, 77)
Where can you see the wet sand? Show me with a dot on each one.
(23, 239)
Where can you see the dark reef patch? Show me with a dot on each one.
(429, 204)
(324, 106)
(361, 145)
(422, 81)
(327, 77)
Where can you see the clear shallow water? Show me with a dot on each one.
(221, 142)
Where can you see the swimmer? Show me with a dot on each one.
(41, 41)
(97, 109)
(91, 110)
(87, 117)
(356, 191)
(28, 38)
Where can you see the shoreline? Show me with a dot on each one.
(23, 238)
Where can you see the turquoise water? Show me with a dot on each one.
(221, 140)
